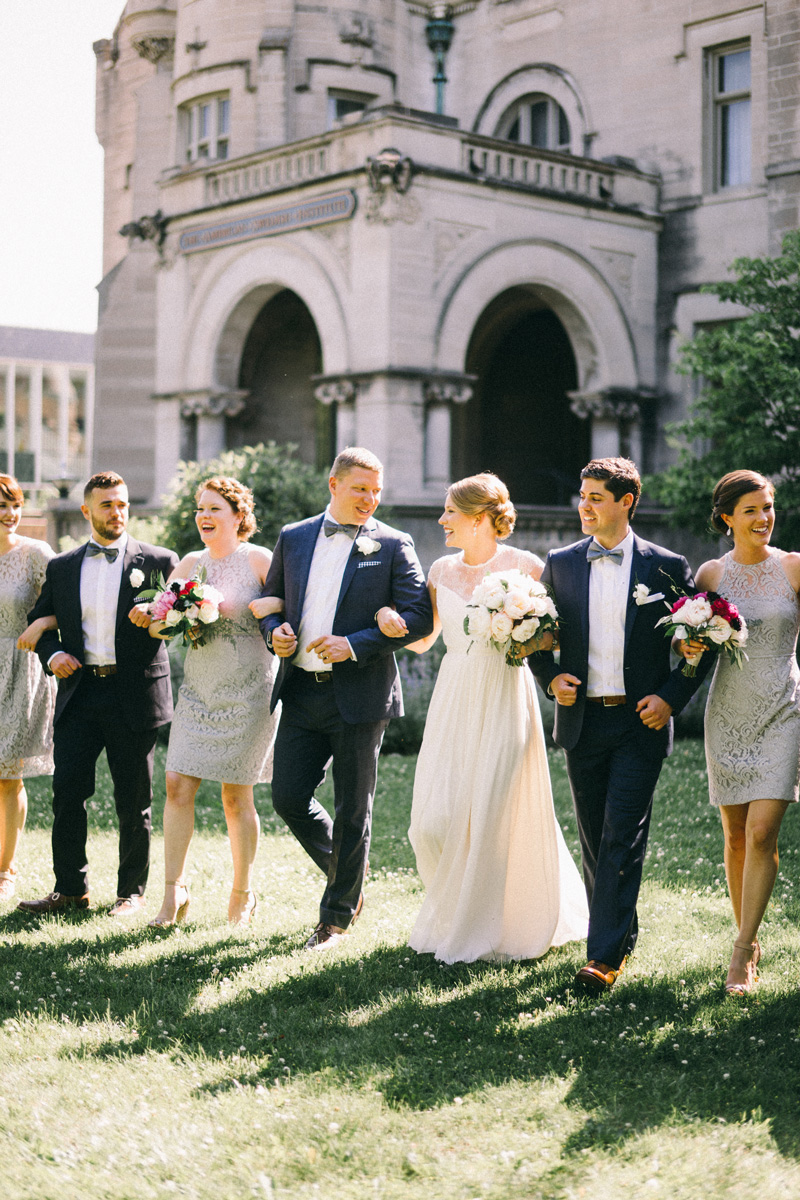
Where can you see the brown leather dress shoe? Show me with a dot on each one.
(597, 976)
(325, 937)
(54, 902)
(126, 906)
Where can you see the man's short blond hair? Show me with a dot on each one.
(355, 456)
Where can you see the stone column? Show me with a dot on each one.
(11, 416)
(615, 413)
(210, 408)
(342, 394)
(440, 395)
(167, 442)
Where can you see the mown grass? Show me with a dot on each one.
(208, 1063)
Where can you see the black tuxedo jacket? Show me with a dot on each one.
(646, 665)
(144, 687)
(368, 689)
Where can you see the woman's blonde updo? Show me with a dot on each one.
(238, 496)
(729, 490)
(485, 493)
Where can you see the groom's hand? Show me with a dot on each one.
(329, 648)
(63, 665)
(284, 640)
(654, 711)
(565, 689)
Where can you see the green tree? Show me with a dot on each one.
(285, 490)
(747, 415)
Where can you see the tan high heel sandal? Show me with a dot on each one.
(8, 882)
(754, 955)
(180, 915)
(250, 911)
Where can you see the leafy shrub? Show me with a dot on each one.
(285, 490)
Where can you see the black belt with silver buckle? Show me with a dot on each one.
(315, 676)
(101, 672)
(608, 701)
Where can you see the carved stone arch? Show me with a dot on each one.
(534, 79)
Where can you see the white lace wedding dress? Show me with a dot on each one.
(500, 881)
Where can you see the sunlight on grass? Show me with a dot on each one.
(204, 1062)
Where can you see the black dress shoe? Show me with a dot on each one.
(54, 902)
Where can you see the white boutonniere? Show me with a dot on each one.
(643, 595)
(367, 545)
(136, 577)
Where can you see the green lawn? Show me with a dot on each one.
(208, 1063)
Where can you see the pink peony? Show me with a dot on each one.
(161, 605)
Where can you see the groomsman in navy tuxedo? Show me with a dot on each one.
(338, 681)
(615, 695)
(113, 693)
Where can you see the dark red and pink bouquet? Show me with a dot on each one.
(707, 617)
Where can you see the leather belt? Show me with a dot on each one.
(316, 676)
(101, 672)
(608, 701)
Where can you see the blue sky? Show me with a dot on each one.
(51, 195)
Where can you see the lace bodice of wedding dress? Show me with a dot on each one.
(455, 581)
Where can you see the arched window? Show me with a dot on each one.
(536, 120)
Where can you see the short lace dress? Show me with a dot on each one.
(752, 728)
(27, 695)
(500, 881)
(222, 729)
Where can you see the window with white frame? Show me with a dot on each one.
(344, 104)
(728, 82)
(206, 128)
(536, 120)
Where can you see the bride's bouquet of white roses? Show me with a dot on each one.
(186, 606)
(506, 610)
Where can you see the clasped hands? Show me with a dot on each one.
(654, 711)
(329, 647)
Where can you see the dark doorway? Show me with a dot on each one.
(518, 422)
(281, 353)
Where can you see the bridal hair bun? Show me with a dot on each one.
(485, 493)
(238, 496)
(729, 490)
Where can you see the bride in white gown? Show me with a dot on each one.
(500, 881)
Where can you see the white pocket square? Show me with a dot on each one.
(652, 599)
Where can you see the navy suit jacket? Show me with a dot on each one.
(369, 688)
(646, 665)
(144, 688)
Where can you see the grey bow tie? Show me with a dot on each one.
(109, 552)
(331, 527)
(597, 551)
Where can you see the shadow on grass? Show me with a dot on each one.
(656, 1052)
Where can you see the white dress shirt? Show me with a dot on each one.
(100, 583)
(322, 595)
(609, 592)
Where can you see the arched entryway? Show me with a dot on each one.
(519, 423)
(280, 354)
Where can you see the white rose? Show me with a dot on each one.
(173, 617)
(208, 613)
(136, 577)
(640, 593)
(367, 545)
(480, 623)
(192, 612)
(696, 611)
(525, 630)
(739, 636)
(517, 603)
(495, 594)
(719, 630)
(501, 626)
(681, 632)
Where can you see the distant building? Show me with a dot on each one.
(46, 404)
(323, 244)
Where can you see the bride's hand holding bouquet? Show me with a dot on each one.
(514, 613)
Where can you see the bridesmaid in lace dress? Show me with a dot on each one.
(500, 882)
(27, 698)
(222, 728)
(753, 715)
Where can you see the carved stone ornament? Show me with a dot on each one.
(154, 48)
(450, 391)
(389, 170)
(357, 30)
(213, 404)
(611, 403)
(148, 229)
(338, 391)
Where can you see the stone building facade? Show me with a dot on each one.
(471, 236)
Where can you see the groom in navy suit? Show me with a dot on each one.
(615, 695)
(338, 681)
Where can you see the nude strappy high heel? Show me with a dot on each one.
(249, 911)
(753, 957)
(182, 910)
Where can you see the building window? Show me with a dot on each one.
(536, 121)
(206, 126)
(729, 86)
(343, 104)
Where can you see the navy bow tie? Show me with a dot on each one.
(596, 551)
(331, 527)
(110, 552)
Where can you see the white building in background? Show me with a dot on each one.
(310, 239)
(46, 405)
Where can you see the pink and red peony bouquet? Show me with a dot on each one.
(507, 609)
(707, 617)
(186, 606)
